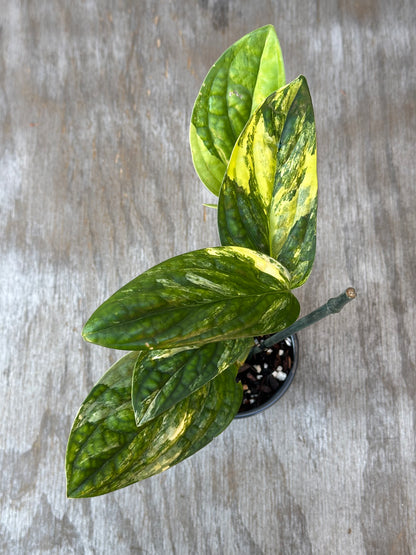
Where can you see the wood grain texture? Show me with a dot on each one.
(97, 185)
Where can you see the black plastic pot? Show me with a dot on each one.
(278, 394)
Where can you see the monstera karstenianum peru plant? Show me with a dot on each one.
(189, 322)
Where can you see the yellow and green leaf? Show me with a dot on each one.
(268, 199)
(163, 378)
(238, 82)
(204, 296)
(107, 451)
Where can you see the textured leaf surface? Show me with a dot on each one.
(106, 451)
(247, 72)
(200, 297)
(163, 378)
(268, 199)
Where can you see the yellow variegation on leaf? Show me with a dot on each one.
(203, 296)
(108, 451)
(268, 198)
(246, 73)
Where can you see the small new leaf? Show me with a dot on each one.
(204, 296)
(107, 451)
(163, 378)
(245, 74)
(268, 199)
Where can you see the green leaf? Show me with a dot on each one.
(163, 378)
(106, 451)
(268, 199)
(237, 83)
(199, 297)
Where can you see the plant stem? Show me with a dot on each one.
(331, 307)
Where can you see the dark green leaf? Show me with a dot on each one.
(162, 378)
(237, 83)
(106, 451)
(200, 297)
(269, 195)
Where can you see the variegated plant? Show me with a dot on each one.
(189, 322)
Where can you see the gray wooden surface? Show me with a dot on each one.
(97, 185)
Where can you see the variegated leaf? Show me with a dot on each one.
(107, 451)
(268, 199)
(163, 378)
(240, 80)
(199, 297)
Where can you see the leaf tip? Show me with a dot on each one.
(87, 337)
(269, 27)
(89, 331)
(71, 494)
(75, 493)
(303, 82)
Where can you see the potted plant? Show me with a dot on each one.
(189, 324)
